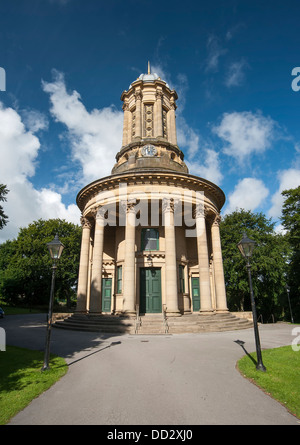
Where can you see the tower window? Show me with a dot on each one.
(150, 239)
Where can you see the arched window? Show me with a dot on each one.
(150, 239)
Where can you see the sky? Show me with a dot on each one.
(233, 64)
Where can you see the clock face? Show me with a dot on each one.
(149, 150)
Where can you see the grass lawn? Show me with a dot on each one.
(281, 380)
(21, 379)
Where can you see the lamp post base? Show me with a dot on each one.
(261, 367)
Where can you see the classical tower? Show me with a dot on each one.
(149, 131)
(150, 240)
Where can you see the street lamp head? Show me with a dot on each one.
(55, 248)
(246, 246)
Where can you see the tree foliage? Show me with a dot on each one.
(291, 222)
(26, 267)
(269, 264)
(3, 217)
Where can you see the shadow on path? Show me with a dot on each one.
(241, 343)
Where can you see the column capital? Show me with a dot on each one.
(169, 204)
(98, 213)
(138, 95)
(173, 105)
(216, 220)
(200, 210)
(85, 222)
(128, 206)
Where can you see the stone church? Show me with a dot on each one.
(150, 230)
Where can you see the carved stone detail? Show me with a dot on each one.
(85, 222)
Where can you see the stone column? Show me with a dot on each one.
(221, 302)
(158, 115)
(138, 114)
(96, 281)
(83, 266)
(172, 124)
(126, 128)
(203, 261)
(171, 281)
(129, 261)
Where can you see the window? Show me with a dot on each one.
(150, 239)
(119, 279)
(181, 279)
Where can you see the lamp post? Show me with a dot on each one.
(246, 247)
(55, 249)
(288, 295)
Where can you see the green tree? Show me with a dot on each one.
(25, 265)
(291, 222)
(3, 217)
(268, 264)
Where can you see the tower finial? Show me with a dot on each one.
(149, 69)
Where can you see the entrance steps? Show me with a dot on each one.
(154, 323)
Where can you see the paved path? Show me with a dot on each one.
(187, 379)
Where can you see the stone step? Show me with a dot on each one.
(153, 323)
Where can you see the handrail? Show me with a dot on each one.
(260, 316)
(138, 321)
(165, 320)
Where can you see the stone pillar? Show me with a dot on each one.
(172, 124)
(221, 302)
(158, 115)
(203, 261)
(126, 128)
(138, 114)
(171, 281)
(129, 261)
(96, 281)
(83, 266)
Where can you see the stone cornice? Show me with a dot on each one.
(142, 84)
(165, 178)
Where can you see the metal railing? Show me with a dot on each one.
(165, 319)
(138, 321)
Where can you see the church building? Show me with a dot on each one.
(150, 230)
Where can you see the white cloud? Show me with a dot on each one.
(186, 137)
(248, 194)
(95, 136)
(215, 51)
(235, 74)
(209, 168)
(197, 149)
(245, 133)
(19, 149)
(34, 120)
(288, 179)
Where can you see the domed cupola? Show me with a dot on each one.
(149, 129)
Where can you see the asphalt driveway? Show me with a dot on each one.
(187, 379)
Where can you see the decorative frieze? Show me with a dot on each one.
(148, 120)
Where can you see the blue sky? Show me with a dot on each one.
(68, 61)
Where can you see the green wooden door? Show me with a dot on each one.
(106, 294)
(196, 294)
(150, 290)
